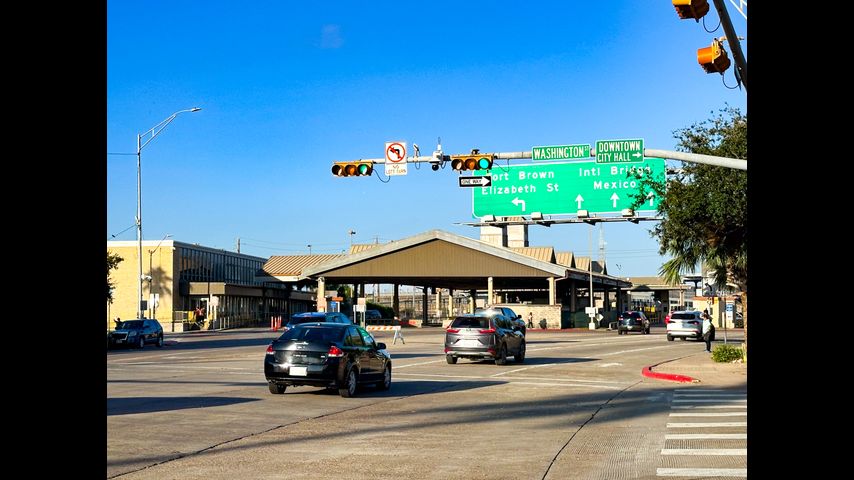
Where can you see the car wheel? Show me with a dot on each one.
(501, 359)
(451, 359)
(141, 343)
(349, 389)
(160, 341)
(669, 337)
(520, 357)
(386, 383)
(276, 389)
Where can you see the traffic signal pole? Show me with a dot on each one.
(732, 39)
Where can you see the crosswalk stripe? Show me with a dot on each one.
(707, 406)
(704, 451)
(701, 472)
(707, 425)
(708, 414)
(706, 436)
(704, 400)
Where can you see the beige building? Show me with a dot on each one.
(180, 277)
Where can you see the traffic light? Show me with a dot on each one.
(352, 169)
(713, 59)
(695, 9)
(474, 161)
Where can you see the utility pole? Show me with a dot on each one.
(238, 244)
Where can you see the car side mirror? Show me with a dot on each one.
(381, 346)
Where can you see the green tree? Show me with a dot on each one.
(704, 208)
(113, 260)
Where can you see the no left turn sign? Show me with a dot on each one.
(395, 152)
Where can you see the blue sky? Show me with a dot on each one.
(286, 88)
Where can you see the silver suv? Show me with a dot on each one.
(685, 324)
(482, 336)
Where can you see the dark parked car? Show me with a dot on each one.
(137, 333)
(314, 317)
(632, 322)
(481, 336)
(328, 355)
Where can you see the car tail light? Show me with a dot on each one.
(447, 349)
(491, 350)
(490, 330)
(334, 351)
(453, 330)
(270, 349)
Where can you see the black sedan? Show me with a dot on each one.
(328, 355)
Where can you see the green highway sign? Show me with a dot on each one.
(560, 152)
(563, 188)
(619, 151)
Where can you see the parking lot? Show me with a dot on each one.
(577, 407)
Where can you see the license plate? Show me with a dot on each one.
(299, 371)
(119, 341)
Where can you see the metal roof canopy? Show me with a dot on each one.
(444, 260)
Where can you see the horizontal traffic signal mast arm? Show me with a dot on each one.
(735, 163)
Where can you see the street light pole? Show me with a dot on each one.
(154, 131)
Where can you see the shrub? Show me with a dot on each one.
(726, 353)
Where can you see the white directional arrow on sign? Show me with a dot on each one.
(650, 196)
(614, 198)
(636, 155)
(579, 199)
(516, 202)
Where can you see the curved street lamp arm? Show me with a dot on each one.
(155, 130)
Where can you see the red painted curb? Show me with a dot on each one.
(673, 377)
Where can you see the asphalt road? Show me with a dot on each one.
(577, 408)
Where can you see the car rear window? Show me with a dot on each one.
(470, 322)
(132, 324)
(298, 320)
(314, 334)
(684, 316)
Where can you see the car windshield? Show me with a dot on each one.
(469, 322)
(131, 324)
(314, 334)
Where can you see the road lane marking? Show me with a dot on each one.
(701, 472)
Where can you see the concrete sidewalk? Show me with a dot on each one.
(706, 371)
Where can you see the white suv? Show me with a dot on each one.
(685, 324)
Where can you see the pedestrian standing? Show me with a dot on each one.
(398, 334)
(530, 319)
(707, 331)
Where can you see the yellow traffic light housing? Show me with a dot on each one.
(352, 169)
(713, 59)
(475, 161)
(695, 9)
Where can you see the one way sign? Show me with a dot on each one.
(475, 181)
